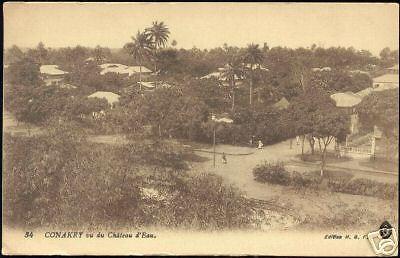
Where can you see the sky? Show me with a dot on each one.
(204, 25)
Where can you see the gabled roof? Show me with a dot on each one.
(346, 99)
(283, 103)
(152, 85)
(122, 69)
(387, 78)
(323, 69)
(221, 118)
(365, 92)
(109, 96)
(51, 70)
(212, 75)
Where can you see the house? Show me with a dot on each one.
(348, 101)
(352, 72)
(323, 69)
(151, 86)
(255, 67)
(385, 82)
(283, 103)
(219, 74)
(67, 86)
(51, 75)
(221, 118)
(365, 92)
(111, 98)
(216, 75)
(123, 69)
(393, 70)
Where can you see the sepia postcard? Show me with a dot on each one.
(200, 129)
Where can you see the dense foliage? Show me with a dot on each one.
(61, 180)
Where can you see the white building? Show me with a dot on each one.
(111, 97)
(51, 75)
(123, 69)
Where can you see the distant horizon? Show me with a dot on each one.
(369, 27)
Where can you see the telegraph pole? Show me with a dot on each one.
(214, 144)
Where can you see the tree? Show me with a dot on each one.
(253, 55)
(172, 114)
(381, 109)
(168, 62)
(140, 49)
(233, 70)
(23, 72)
(329, 124)
(159, 34)
(98, 55)
(13, 55)
(313, 113)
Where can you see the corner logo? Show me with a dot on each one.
(384, 241)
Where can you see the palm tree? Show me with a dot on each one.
(98, 54)
(233, 70)
(140, 48)
(159, 34)
(253, 55)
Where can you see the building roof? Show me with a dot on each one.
(395, 67)
(255, 66)
(212, 75)
(323, 69)
(51, 70)
(282, 104)
(365, 92)
(221, 119)
(109, 96)
(68, 86)
(387, 78)
(346, 99)
(136, 69)
(359, 71)
(152, 85)
(122, 69)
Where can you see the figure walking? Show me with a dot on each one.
(224, 161)
(260, 144)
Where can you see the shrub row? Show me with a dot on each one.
(275, 173)
(364, 186)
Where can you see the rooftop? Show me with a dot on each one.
(346, 99)
(122, 69)
(109, 96)
(51, 70)
(283, 103)
(387, 78)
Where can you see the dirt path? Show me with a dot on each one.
(238, 171)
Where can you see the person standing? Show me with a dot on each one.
(260, 144)
(224, 161)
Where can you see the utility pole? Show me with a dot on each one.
(214, 144)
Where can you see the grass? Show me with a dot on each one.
(380, 164)
(316, 157)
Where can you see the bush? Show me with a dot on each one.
(337, 181)
(272, 173)
(364, 186)
(306, 180)
(60, 180)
